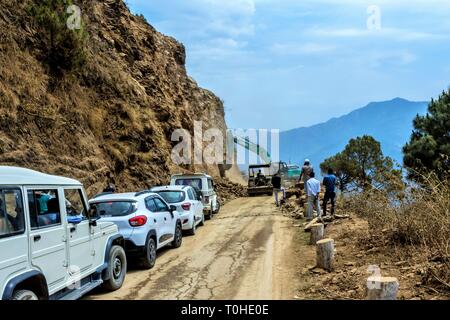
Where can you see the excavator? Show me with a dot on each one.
(260, 175)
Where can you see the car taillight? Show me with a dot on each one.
(186, 206)
(138, 221)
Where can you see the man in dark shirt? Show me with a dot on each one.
(305, 174)
(329, 181)
(276, 183)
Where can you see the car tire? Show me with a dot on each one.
(202, 223)
(24, 295)
(117, 268)
(193, 230)
(217, 207)
(176, 243)
(149, 259)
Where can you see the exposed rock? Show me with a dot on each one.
(115, 115)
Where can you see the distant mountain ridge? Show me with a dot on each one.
(389, 122)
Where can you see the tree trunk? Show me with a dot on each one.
(382, 288)
(325, 254)
(317, 232)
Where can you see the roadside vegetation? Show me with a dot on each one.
(407, 217)
(63, 49)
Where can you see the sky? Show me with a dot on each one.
(283, 64)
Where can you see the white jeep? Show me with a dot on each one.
(51, 245)
(204, 185)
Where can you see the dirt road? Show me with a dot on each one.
(246, 252)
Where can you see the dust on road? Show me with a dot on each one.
(247, 251)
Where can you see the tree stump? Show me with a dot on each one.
(317, 232)
(382, 288)
(325, 254)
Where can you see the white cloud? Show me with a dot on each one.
(401, 58)
(391, 33)
(301, 48)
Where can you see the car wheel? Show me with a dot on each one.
(117, 268)
(176, 243)
(194, 228)
(202, 223)
(149, 259)
(24, 295)
(217, 207)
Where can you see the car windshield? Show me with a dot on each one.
(193, 182)
(265, 171)
(172, 196)
(114, 208)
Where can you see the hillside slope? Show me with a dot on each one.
(390, 122)
(115, 116)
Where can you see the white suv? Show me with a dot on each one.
(188, 204)
(204, 184)
(51, 245)
(144, 219)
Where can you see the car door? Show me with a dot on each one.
(212, 194)
(163, 211)
(158, 219)
(197, 205)
(48, 235)
(80, 233)
(13, 236)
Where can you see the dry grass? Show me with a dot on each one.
(415, 222)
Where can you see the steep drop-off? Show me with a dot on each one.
(115, 116)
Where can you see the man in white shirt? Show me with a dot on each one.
(313, 191)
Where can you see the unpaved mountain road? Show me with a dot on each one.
(247, 251)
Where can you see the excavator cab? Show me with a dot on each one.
(259, 180)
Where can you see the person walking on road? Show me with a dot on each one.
(329, 181)
(276, 183)
(313, 196)
(305, 174)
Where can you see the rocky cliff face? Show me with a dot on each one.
(114, 116)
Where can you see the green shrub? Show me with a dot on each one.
(64, 49)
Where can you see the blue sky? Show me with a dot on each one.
(290, 63)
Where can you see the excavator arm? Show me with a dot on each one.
(253, 147)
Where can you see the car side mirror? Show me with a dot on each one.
(74, 220)
(173, 208)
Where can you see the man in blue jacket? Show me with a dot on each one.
(329, 181)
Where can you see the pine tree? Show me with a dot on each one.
(362, 166)
(63, 48)
(429, 147)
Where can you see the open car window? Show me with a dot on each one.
(12, 220)
(44, 208)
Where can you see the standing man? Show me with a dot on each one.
(305, 174)
(313, 196)
(329, 181)
(276, 183)
(110, 188)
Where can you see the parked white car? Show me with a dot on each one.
(204, 184)
(52, 246)
(188, 204)
(144, 219)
